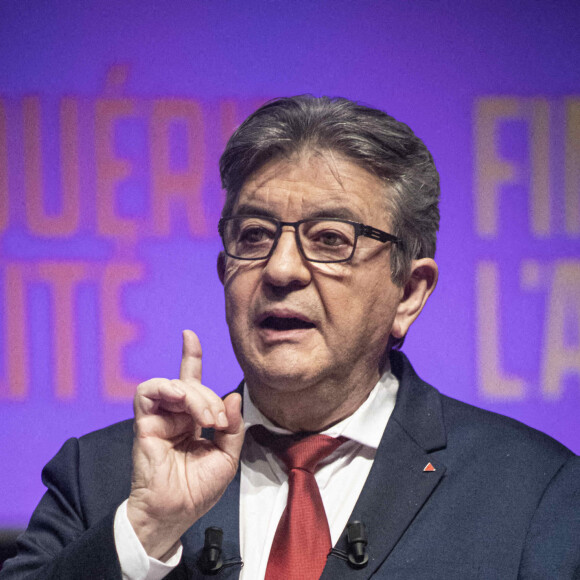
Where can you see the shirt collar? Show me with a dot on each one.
(366, 425)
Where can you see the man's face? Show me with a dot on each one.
(296, 324)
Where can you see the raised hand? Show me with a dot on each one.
(177, 475)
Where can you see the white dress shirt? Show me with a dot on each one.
(264, 486)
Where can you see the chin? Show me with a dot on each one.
(286, 365)
(282, 373)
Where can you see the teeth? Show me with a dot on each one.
(277, 323)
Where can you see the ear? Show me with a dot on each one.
(221, 266)
(419, 286)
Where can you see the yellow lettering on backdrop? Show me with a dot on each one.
(561, 358)
(494, 383)
(572, 168)
(540, 207)
(491, 171)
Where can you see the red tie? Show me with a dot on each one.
(302, 540)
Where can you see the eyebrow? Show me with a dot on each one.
(338, 212)
(250, 209)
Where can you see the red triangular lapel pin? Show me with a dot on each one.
(429, 467)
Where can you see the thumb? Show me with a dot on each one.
(230, 440)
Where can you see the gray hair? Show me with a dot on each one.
(368, 137)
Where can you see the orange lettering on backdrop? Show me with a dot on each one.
(64, 278)
(4, 207)
(69, 162)
(111, 170)
(32, 157)
(39, 222)
(232, 113)
(231, 118)
(117, 332)
(229, 115)
(16, 336)
(169, 184)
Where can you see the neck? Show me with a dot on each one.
(314, 408)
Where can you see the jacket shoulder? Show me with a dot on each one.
(471, 424)
(105, 464)
(469, 431)
(117, 434)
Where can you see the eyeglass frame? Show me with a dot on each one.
(359, 230)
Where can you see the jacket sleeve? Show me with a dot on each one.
(552, 548)
(60, 541)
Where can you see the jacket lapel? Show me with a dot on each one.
(397, 486)
(225, 515)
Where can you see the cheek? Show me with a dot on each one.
(344, 306)
(232, 269)
(333, 271)
(371, 306)
(241, 280)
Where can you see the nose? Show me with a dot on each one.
(286, 266)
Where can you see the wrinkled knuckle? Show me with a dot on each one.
(143, 388)
(176, 383)
(138, 427)
(217, 405)
(208, 393)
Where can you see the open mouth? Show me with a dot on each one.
(283, 323)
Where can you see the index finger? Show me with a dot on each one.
(190, 357)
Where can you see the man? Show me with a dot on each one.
(329, 235)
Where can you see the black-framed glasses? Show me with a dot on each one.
(327, 240)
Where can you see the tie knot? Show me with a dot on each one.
(298, 451)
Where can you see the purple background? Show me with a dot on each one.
(427, 63)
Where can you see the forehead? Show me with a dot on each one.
(311, 185)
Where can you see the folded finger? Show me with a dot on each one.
(204, 407)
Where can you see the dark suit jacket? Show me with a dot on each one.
(503, 502)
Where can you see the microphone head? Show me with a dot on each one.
(356, 536)
(210, 561)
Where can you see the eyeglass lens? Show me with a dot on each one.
(321, 240)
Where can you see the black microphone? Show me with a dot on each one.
(356, 537)
(210, 561)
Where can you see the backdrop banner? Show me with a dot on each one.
(112, 119)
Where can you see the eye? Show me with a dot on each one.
(254, 234)
(329, 234)
(331, 238)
